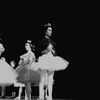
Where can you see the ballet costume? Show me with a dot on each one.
(26, 73)
(7, 74)
(50, 63)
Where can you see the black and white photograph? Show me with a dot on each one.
(50, 52)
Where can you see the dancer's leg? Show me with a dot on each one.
(46, 90)
(26, 95)
(19, 94)
(3, 91)
(41, 88)
(41, 92)
(46, 82)
(13, 91)
(50, 86)
(28, 90)
(20, 91)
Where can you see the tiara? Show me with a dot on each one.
(48, 24)
(29, 41)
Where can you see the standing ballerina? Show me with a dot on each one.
(26, 75)
(49, 62)
(10, 77)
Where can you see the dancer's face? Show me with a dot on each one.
(12, 64)
(27, 46)
(49, 31)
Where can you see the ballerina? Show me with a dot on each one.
(10, 77)
(1, 51)
(49, 62)
(26, 74)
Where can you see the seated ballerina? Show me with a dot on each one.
(12, 63)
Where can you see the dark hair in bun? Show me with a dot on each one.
(31, 45)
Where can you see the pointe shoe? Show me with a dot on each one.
(26, 98)
(49, 98)
(17, 98)
(40, 98)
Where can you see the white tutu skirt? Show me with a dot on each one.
(19, 85)
(7, 73)
(34, 66)
(52, 63)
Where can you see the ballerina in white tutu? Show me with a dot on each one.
(2, 87)
(7, 74)
(49, 62)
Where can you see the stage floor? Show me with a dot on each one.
(33, 98)
(36, 99)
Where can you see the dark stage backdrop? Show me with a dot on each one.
(77, 40)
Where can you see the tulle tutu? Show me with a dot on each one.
(7, 74)
(19, 84)
(25, 74)
(34, 66)
(52, 63)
